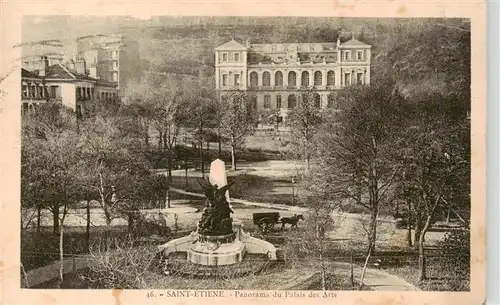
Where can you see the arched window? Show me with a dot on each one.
(317, 100)
(292, 101)
(292, 79)
(305, 79)
(278, 78)
(331, 101)
(318, 78)
(330, 78)
(266, 79)
(254, 79)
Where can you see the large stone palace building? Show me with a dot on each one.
(273, 74)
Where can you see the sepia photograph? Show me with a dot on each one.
(245, 153)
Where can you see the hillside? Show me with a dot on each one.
(422, 54)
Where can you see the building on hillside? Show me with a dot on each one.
(112, 58)
(57, 83)
(273, 74)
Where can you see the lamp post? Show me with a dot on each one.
(293, 190)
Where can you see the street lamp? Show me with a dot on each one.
(293, 190)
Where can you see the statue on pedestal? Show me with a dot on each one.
(216, 216)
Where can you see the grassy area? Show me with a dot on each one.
(246, 186)
(439, 279)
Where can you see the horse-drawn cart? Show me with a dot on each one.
(266, 221)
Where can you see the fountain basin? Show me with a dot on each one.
(219, 250)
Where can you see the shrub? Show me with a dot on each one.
(454, 252)
(125, 267)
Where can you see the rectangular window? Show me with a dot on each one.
(236, 79)
(115, 77)
(254, 102)
(267, 101)
(236, 56)
(224, 80)
(347, 55)
(224, 56)
(359, 78)
(359, 55)
(53, 91)
(278, 101)
(347, 79)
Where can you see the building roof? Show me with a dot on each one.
(231, 45)
(354, 43)
(293, 47)
(27, 74)
(59, 71)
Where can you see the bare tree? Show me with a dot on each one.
(436, 162)
(48, 160)
(354, 151)
(304, 122)
(236, 120)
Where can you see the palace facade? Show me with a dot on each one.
(273, 74)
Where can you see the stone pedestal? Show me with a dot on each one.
(218, 250)
(212, 254)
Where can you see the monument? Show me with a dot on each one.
(219, 239)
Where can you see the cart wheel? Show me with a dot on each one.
(265, 225)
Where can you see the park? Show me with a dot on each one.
(171, 186)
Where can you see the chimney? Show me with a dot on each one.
(80, 66)
(71, 64)
(44, 66)
(338, 41)
(247, 43)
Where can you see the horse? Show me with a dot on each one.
(291, 220)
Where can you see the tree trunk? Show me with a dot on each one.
(421, 253)
(364, 267)
(323, 271)
(25, 276)
(55, 219)
(220, 143)
(373, 230)
(38, 218)
(61, 253)
(233, 158)
(408, 236)
(186, 170)
(169, 164)
(87, 231)
(160, 140)
(421, 261)
(417, 232)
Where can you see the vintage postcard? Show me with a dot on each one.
(282, 152)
